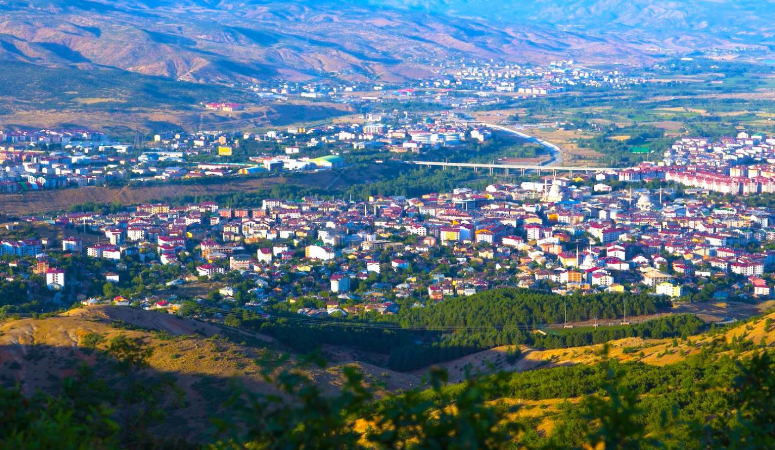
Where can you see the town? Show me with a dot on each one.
(654, 228)
(481, 77)
(49, 159)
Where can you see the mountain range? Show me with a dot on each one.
(231, 41)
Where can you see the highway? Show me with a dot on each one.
(556, 152)
(521, 167)
(553, 165)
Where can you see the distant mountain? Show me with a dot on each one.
(747, 19)
(227, 41)
(230, 40)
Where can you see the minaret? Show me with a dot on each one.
(578, 256)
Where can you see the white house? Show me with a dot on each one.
(320, 253)
(340, 283)
(264, 255)
(111, 277)
(208, 270)
(373, 266)
(72, 245)
(55, 279)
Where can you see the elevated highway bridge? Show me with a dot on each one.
(522, 168)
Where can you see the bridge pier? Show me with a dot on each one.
(507, 172)
(491, 171)
(523, 172)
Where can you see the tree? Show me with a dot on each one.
(108, 290)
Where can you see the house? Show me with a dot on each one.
(340, 283)
(240, 262)
(760, 288)
(399, 264)
(513, 241)
(373, 266)
(574, 277)
(569, 259)
(208, 270)
(320, 253)
(333, 307)
(55, 279)
(178, 242)
(111, 277)
(264, 255)
(112, 253)
(450, 234)
(669, 290)
(95, 251)
(683, 268)
(72, 245)
(653, 278)
(602, 278)
(619, 251)
(120, 301)
(116, 236)
(169, 258)
(747, 268)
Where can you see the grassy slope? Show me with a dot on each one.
(39, 353)
(657, 352)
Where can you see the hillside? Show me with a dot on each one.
(656, 352)
(740, 20)
(128, 65)
(229, 41)
(203, 358)
(186, 352)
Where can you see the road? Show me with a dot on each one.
(555, 152)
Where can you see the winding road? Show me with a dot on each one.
(555, 152)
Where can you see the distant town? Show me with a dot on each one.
(480, 77)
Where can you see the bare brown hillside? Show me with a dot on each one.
(228, 41)
(60, 200)
(38, 353)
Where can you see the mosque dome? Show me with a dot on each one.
(645, 203)
(589, 261)
(555, 194)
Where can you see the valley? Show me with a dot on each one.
(387, 224)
